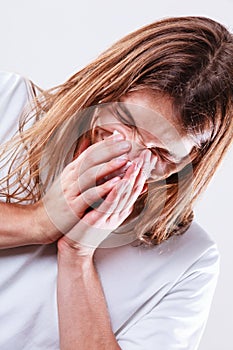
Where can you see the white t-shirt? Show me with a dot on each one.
(158, 298)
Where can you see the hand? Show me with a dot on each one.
(97, 224)
(75, 190)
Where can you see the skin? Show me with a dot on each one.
(80, 307)
(66, 201)
(157, 128)
(62, 215)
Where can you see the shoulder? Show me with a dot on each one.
(15, 92)
(202, 248)
(181, 251)
(10, 82)
(199, 260)
(13, 88)
(180, 256)
(198, 241)
(194, 253)
(169, 292)
(145, 281)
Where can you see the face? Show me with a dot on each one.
(156, 127)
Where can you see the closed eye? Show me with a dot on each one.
(101, 133)
(163, 154)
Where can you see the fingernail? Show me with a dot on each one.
(125, 145)
(115, 179)
(121, 159)
(139, 162)
(154, 161)
(115, 132)
(127, 165)
(146, 153)
(116, 136)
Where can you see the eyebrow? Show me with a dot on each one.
(167, 151)
(160, 149)
(123, 108)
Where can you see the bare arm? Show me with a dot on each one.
(45, 221)
(18, 225)
(84, 322)
(83, 317)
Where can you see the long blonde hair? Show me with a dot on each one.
(188, 58)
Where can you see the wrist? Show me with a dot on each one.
(74, 254)
(45, 231)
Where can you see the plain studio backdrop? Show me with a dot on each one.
(48, 40)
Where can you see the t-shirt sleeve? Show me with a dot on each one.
(15, 92)
(177, 322)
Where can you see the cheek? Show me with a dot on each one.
(162, 170)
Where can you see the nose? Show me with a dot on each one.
(131, 135)
(136, 148)
(137, 145)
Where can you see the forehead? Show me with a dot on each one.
(153, 116)
(152, 112)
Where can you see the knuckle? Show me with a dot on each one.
(87, 197)
(92, 173)
(72, 166)
(111, 165)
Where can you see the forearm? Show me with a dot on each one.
(19, 226)
(83, 317)
(16, 226)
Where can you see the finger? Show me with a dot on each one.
(108, 217)
(101, 173)
(108, 206)
(94, 176)
(93, 195)
(121, 198)
(103, 220)
(88, 235)
(140, 181)
(116, 199)
(149, 163)
(131, 177)
(101, 152)
(135, 178)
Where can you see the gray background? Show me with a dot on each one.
(48, 40)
